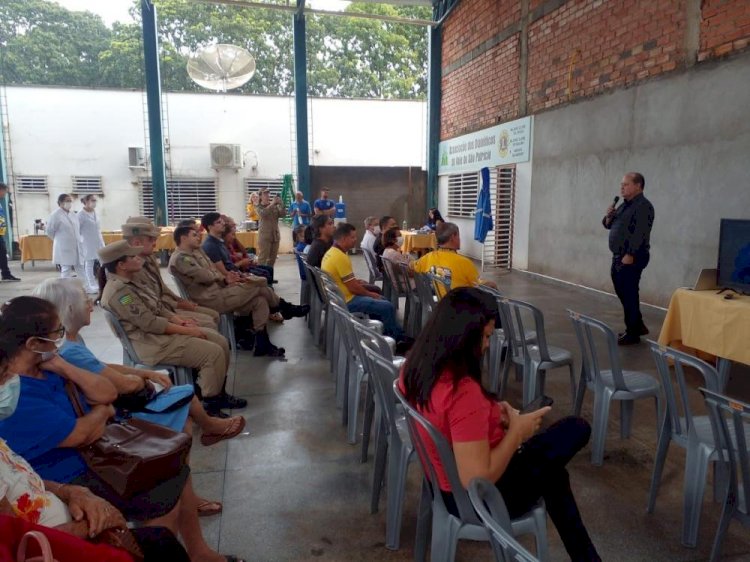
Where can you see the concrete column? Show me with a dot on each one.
(523, 58)
(300, 100)
(692, 31)
(434, 79)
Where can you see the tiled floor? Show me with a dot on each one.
(293, 489)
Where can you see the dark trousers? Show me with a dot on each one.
(4, 258)
(537, 471)
(626, 279)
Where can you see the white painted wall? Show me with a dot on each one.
(61, 132)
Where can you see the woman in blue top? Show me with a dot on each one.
(45, 430)
(434, 219)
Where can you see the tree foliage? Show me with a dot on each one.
(43, 43)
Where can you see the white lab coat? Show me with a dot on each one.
(63, 228)
(91, 234)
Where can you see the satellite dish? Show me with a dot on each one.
(221, 67)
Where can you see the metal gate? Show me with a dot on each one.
(498, 248)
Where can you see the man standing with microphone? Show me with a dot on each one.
(629, 228)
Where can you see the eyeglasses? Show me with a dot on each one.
(60, 335)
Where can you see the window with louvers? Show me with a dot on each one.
(463, 190)
(187, 198)
(36, 184)
(87, 184)
(253, 185)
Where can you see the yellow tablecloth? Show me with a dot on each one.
(707, 322)
(248, 239)
(35, 247)
(415, 241)
(110, 236)
(164, 242)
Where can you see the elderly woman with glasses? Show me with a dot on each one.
(43, 427)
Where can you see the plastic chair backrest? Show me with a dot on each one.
(382, 374)
(372, 265)
(343, 321)
(586, 330)
(181, 289)
(120, 334)
(440, 284)
(513, 317)
(663, 356)
(490, 506)
(425, 292)
(393, 271)
(317, 283)
(365, 333)
(422, 433)
(301, 259)
(729, 420)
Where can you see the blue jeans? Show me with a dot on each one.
(380, 309)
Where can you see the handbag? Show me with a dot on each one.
(133, 456)
(44, 546)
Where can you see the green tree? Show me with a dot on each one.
(43, 43)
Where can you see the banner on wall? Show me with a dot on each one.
(508, 143)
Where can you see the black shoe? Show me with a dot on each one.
(232, 402)
(264, 347)
(246, 342)
(643, 330)
(289, 310)
(403, 346)
(626, 339)
(213, 407)
(10, 278)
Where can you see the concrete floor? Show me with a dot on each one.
(293, 489)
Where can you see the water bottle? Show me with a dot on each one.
(404, 226)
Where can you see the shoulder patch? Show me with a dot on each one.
(126, 299)
(187, 259)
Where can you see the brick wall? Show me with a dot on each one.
(576, 49)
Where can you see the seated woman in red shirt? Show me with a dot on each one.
(490, 439)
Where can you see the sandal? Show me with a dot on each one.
(207, 508)
(232, 430)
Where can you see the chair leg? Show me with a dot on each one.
(424, 520)
(398, 465)
(444, 538)
(665, 437)
(355, 384)
(726, 518)
(602, 398)
(696, 469)
(540, 535)
(626, 418)
(531, 376)
(378, 473)
(573, 387)
(367, 420)
(578, 403)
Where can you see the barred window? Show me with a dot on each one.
(274, 185)
(36, 184)
(187, 198)
(463, 190)
(87, 184)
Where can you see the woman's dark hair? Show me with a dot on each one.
(62, 197)
(22, 318)
(451, 340)
(318, 223)
(299, 231)
(390, 237)
(436, 216)
(309, 235)
(101, 277)
(87, 197)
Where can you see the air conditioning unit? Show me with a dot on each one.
(226, 156)
(136, 157)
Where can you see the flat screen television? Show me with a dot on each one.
(734, 255)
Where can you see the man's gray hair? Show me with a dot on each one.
(445, 232)
(369, 221)
(67, 296)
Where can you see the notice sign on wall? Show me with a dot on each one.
(508, 143)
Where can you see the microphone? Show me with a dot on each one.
(616, 199)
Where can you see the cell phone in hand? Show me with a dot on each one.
(537, 404)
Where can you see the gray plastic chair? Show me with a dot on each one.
(395, 292)
(130, 358)
(226, 321)
(447, 528)
(498, 348)
(729, 422)
(687, 430)
(372, 266)
(393, 443)
(490, 506)
(398, 273)
(538, 357)
(426, 295)
(608, 384)
(304, 285)
(320, 325)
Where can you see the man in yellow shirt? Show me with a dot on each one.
(338, 265)
(448, 263)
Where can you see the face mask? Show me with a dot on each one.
(400, 240)
(376, 231)
(92, 204)
(67, 205)
(9, 393)
(47, 355)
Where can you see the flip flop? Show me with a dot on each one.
(208, 439)
(206, 508)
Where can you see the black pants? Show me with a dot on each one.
(626, 279)
(537, 471)
(4, 258)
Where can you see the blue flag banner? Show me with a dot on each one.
(483, 217)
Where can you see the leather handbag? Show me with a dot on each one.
(133, 456)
